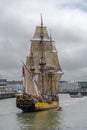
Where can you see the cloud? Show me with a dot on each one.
(68, 22)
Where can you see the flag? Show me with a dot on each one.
(23, 71)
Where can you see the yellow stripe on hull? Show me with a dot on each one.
(45, 105)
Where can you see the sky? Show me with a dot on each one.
(66, 18)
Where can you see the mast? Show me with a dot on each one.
(42, 59)
(41, 34)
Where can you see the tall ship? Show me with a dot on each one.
(42, 73)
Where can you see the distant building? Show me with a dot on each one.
(7, 86)
(16, 85)
(83, 85)
(3, 86)
(3, 83)
(68, 86)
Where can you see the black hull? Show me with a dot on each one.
(27, 104)
(27, 108)
(31, 109)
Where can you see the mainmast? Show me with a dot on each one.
(41, 34)
(42, 62)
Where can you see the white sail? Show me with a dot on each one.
(48, 78)
(31, 87)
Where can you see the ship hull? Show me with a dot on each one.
(30, 109)
(28, 105)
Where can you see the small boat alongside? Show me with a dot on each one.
(59, 108)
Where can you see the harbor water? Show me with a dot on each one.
(72, 117)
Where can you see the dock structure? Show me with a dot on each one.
(5, 90)
(4, 95)
(73, 87)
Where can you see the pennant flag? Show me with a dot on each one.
(23, 71)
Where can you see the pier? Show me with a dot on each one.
(4, 95)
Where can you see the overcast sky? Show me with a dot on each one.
(66, 18)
